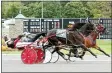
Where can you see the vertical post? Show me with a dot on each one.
(40, 25)
(42, 8)
(99, 33)
(80, 20)
(29, 20)
(87, 19)
(62, 23)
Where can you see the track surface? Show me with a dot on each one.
(13, 63)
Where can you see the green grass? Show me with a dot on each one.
(104, 44)
(11, 52)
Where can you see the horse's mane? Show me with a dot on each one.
(77, 25)
(83, 27)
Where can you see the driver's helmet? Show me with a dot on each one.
(70, 25)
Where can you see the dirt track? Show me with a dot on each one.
(13, 63)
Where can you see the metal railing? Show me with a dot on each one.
(36, 25)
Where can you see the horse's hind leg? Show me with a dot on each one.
(70, 52)
(81, 57)
(98, 48)
(62, 55)
(88, 50)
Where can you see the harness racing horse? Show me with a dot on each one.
(56, 40)
(77, 38)
(90, 41)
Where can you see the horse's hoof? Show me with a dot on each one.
(67, 60)
(95, 56)
(108, 55)
(82, 58)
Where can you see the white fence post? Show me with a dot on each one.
(80, 20)
(62, 23)
(40, 25)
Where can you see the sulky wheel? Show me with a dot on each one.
(48, 56)
(28, 56)
(55, 57)
(40, 55)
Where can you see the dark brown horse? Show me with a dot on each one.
(77, 38)
(84, 28)
(73, 39)
(90, 40)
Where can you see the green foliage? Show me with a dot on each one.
(100, 9)
(52, 10)
(10, 9)
(57, 9)
(32, 10)
(75, 10)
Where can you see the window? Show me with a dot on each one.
(25, 23)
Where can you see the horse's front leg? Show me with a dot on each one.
(85, 48)
(69, 55)
(98, 48)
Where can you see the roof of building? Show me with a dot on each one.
(20, 16)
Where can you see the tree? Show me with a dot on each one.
(100, 9)
(10, 9)
(52, 9)
(32, 10)
(74, 10)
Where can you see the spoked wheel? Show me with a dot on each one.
(28, 56)
(40, 55)
(31, 55)
(48, 56)
(55, 57)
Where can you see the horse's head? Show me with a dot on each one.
(89, 27)
(100, 28)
